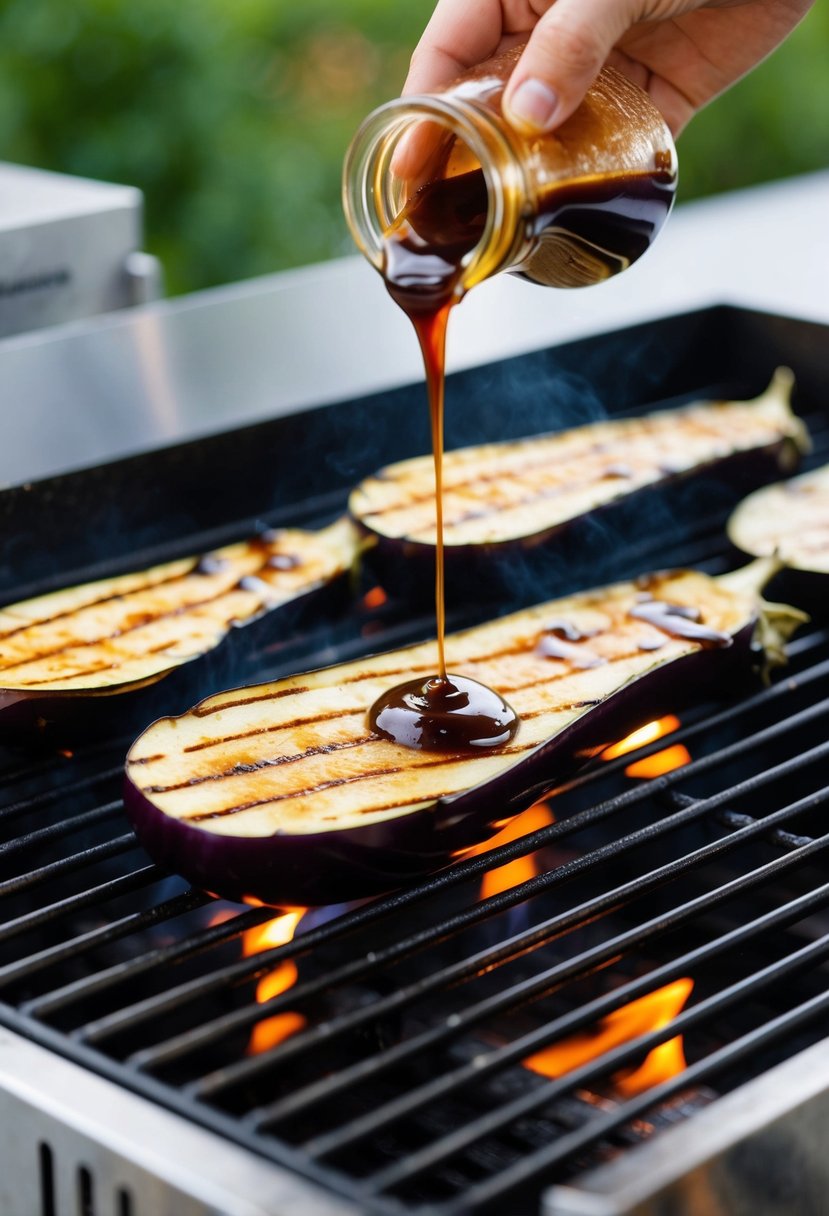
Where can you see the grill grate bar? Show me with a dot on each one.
(51, 763)
(485, 1065)
(210, 936)
(785, 840)
(25, 805)
(488, 959)
(738, 819)
(536, 1165)
(435, 1036)
(210, 1032)
(711, 722)
(65, 865)
(135, 922)
(133, 881)
(800, 645)
(58, 830)
(260, 964)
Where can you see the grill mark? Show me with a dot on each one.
(76, 675)
(295, 723)
(541, 462)
(336, 782)
(81, 644)
(149, 619)
(238, 770)
(541, 494)
(588, 601)
(597, 447)
(319, 750)
(504, 653)
(205, 711)
(105, 599)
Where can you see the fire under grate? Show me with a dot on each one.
(654, 943)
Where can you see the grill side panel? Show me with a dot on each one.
(760, 1151)
(75, 1143)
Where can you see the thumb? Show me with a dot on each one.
(565, 53)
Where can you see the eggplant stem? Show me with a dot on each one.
(776, 401)
(751, 579)
(775, 622)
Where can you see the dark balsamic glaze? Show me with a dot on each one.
(454, 714)
(679, 621)
(583, 232)
(588, 231)
(422, 271)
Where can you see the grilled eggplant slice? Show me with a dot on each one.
(790, 520)
(549, 507)
(69, 659)
(282, 792)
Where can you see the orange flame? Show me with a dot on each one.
(276, 932)
(522, 868)
(645, 734)
(650, 1012)
(375, 598)
(664, 761)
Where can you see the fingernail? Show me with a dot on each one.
(533, 104)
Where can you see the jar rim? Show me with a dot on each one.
(367, 176)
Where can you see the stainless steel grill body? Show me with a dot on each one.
(404, 1091)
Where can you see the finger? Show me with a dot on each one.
(420, 152)
(460, 34)
(565, 53)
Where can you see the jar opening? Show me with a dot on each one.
(425, 170)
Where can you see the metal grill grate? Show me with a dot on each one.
(403, 1083)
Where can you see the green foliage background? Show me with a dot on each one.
(233, 115)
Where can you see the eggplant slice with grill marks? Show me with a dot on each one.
(545, 512)
(281, 791)
(83, 659)
(790, 520)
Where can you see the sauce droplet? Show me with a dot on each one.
(251, 582)
(678, 621)
(577, 655)
(210, 564)
(454, 714)
(283, 561)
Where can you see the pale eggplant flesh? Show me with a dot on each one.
(790, 521)
(543, 511)
(72, 660)
(282, 792)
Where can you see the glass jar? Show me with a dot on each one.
(565, 209)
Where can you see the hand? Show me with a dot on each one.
(682, 52)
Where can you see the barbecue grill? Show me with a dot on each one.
(505, 1036)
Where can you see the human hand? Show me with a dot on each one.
(683, 53)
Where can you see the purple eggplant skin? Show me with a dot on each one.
(347, 864)
(38, 721)
(599, 546)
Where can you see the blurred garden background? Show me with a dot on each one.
(233, 115)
